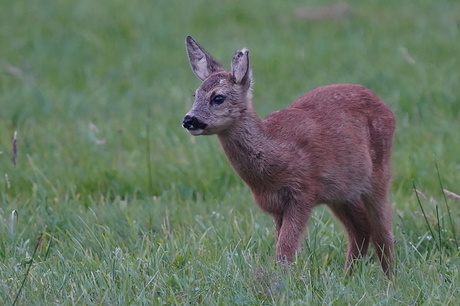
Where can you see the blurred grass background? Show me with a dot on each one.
(97, 90)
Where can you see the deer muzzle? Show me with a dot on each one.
(193, 125)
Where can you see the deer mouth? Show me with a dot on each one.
(193, 125)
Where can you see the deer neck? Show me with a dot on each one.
(249, 148)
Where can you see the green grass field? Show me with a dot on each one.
(111, 202)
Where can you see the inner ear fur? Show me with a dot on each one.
(202, 63)
(241, 68)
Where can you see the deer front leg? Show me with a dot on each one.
(292, 225)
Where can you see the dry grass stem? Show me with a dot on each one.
(15, 148)
(421, 194)
(8, 184)
(452, 195)
(407, 56)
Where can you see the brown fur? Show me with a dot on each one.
(331, 146)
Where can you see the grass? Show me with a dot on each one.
(121, 207)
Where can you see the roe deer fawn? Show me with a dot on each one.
(330, 146)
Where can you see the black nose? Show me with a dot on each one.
(193, 123)
(187, 122)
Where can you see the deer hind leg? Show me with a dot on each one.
(353, 217)
(278, 221)
(379, 214)
(291, 227)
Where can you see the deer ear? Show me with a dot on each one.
(241, 69)
(201, 62)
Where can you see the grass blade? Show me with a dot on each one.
(449, 214)
(423, 212)
(13, 220)
(39, 239)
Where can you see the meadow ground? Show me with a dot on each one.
(111, 202)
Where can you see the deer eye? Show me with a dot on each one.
(219, 99)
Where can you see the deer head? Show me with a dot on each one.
(223, 96)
